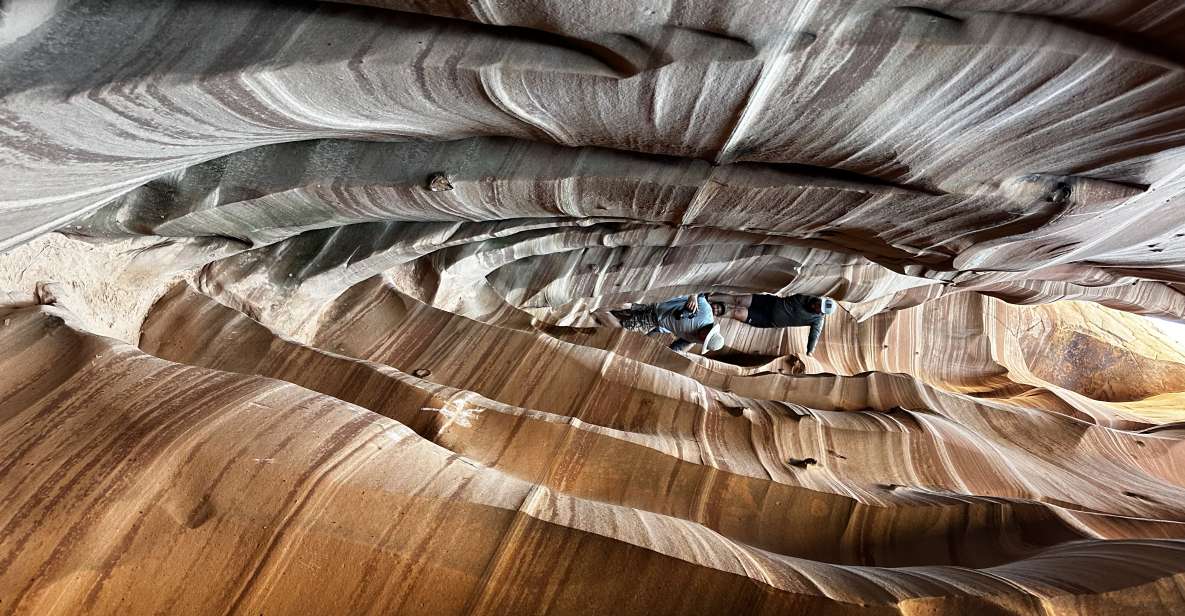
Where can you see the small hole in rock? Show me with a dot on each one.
(439, 182)
(801, 462)
(1060, 193)
(421, 373)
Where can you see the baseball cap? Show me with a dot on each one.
(715, 340)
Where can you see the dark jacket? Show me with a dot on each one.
(793, 312)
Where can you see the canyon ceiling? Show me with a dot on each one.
(297, 300)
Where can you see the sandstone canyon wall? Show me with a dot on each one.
(296, 307)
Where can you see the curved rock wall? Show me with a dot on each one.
(372, 235)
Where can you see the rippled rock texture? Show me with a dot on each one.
(320, 339)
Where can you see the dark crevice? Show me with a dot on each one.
(851, 177)
(613, 60)
(929, 12)
(801, 462)
(1137, 42)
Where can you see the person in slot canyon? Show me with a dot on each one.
(765, 310)
(688, 317)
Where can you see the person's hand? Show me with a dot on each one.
(692, 305)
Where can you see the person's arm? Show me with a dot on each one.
(813, 338)
(680, 345)
(692, 304)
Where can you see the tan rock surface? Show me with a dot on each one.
(316, 334)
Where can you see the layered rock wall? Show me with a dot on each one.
(320, 338)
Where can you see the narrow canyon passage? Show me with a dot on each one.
(303, 307)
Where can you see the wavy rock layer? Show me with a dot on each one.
(372, 235)
(564, 477)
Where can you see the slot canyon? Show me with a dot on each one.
(299, 307)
